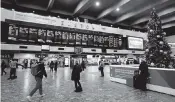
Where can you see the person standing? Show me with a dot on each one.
(3, 66)
(76, 77)
(55, 68)
(41, 72)
(51, 66)
(83, 65)
(142, 77)
(25, 63)
(101, 68)
(12, 65)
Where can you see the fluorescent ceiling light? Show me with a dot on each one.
(97, 3)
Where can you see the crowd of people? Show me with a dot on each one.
(140, 79)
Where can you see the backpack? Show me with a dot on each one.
(34, 69)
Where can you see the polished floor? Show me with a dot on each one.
(59, 88)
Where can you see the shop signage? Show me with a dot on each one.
(78, 50)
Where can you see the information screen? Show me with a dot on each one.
(101, 41)
(33, 33)
(84, 39)
(72, 38)
(96, 43)
(13, 32)
(106, 41)
(42, 35)
(23, 33)
(58, 37)
(50, 36)
(90, 40)
(135, 43)
(78, 38)
(64, 37)
(69, 37)
(111, 41)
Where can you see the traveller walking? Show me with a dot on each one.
(38, 77)
(83, 65)
(76, 77)
(51, 66)
(3, 66)
(55, 68)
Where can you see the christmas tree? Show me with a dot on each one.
(157, 49)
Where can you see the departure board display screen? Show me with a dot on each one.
(33, 33)
(64, 37)
(13, 32)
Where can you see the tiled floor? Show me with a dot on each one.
(59, 88)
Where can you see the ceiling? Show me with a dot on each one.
(133, 14)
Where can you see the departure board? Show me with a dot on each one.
(84, 39)
(72, 38)
(111, 41)
(106, 41)
(58, 37)
(101, 40)
(90, 40)
(33, 33)
(116, 42)
(63, 37)
(23, 33)
(13, 32)
(78, 38)
(41, 35)
(96, 43)
(50, 36)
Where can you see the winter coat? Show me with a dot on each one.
(76, 72)
(144, 70)
(41, 70)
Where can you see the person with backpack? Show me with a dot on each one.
(3, 66)
(76, 77)
(38, 71)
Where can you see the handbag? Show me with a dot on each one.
(99, 68)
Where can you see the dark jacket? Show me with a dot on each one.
(51, 64)
(3, 65)
(41, 70)
(76, 72)
(144, 69)
(83, 64)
